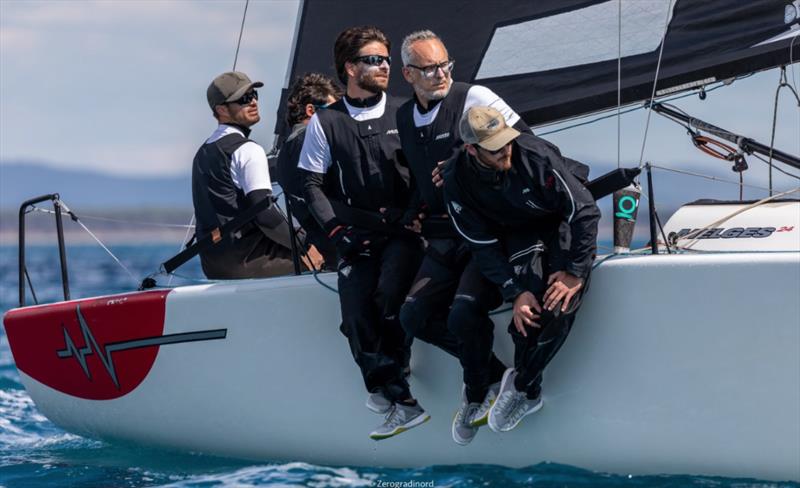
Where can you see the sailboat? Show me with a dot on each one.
(684, 361)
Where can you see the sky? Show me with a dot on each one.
(119, 87)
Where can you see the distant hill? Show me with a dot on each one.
(22, 180)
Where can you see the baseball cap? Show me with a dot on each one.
(486, 127)
(228, 87)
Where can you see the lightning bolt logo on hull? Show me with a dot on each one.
(91, 346)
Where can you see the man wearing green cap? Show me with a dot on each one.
(229, 174)
(531, 225)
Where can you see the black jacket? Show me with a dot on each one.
(542, 189)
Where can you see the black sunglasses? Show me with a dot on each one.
(246, 98)
(374, 59)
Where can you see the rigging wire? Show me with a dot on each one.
(708, 177)
(781, 83)
(655, 82)
(241, 31)
(124, 221)
(185, 242)
(619, 79)
(78, 221)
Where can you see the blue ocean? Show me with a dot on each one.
(34, 452)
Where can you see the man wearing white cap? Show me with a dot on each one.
(531, 225)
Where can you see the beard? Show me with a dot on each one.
(368, 81)
(434, 95)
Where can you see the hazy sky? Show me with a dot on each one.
(119, 86)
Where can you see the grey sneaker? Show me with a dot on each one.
(400, 419)
(511, 405)
(481, 416)
(378, 403)
(463, 430)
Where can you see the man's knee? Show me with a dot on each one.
(466, 317)
(413, 316)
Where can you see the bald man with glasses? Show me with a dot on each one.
(450, 301)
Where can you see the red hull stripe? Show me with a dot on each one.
(97, 349)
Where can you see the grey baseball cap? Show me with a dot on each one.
(228, 87)
(486, 127)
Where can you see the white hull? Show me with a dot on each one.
(676, 364)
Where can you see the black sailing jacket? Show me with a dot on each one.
(540, 191)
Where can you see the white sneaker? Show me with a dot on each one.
(463, 431)
(378, 403)
(481, 416)
(511, 405)
(400, 419)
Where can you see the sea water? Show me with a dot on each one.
(35, 452)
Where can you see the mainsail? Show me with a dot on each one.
(554, 59)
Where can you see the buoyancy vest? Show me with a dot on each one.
(425, 146)
(216, 198)
(367, 168)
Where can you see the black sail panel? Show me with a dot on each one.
(554, 59)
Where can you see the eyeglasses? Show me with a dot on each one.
(246, 98)
(431, 70)
(374, 59)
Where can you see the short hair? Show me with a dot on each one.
(313, 88)
(420, 35)
(350, 41)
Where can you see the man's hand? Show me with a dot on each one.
(348, 241)
(313, 259)
(408, 219)
(524, 306)
(562, 286)
(436, 174)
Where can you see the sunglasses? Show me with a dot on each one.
(246, 98)
(373, 59)
(431, 70)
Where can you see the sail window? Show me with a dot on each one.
(564, 40)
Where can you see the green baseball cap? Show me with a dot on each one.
(228, 87)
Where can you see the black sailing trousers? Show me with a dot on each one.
(371, 291)
(533, 353)
(448, 306)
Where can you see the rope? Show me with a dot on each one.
(614, 114)
(655, 82)
(695, 235)
(134, 222)
(708, 177)
(241, 31)
(783, 82)
(619, 79)
(76, 219)
(776, 167)
(183, 243)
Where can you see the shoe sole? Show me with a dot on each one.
(489, 419)
(417, 421)
(480, 422)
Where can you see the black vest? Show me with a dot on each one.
(216, 199)
(289, 177)
(366, 170)
(427, 145)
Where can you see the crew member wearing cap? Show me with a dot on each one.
(229, 174)
(532, 227)
(351, 158)
(450, 300)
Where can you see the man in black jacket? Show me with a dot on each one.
(428, 127)
(532, 227)
(229, 174)
(309, 93)
(352, 163)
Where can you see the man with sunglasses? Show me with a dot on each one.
(230, 174)
(309, 93)
(450, 300)
(532, 227)
(351, 156)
